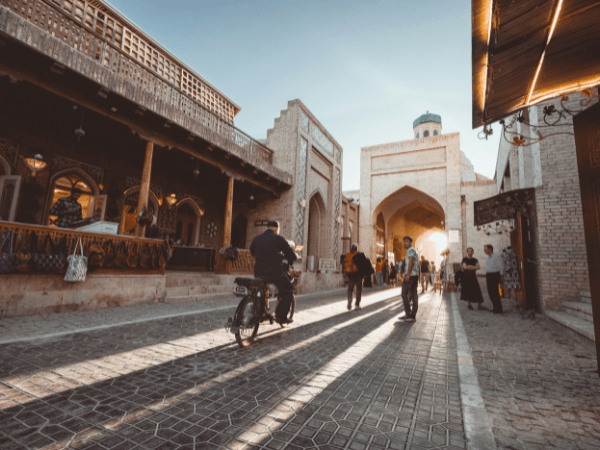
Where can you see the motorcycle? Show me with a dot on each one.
(257, 301)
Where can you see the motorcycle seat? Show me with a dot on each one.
(250, 282)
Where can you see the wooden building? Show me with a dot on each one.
(113, 113)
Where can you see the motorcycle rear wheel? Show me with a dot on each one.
(249, 321)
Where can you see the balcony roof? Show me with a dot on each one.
(529, 51)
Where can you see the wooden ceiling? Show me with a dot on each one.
(528, 51)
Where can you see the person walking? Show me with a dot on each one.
(386, 272)
(393, 275)
(424, 274)
(379, 273)
(355, 278)
(432, 268)
(470, 289)
(410, 281)
(494, 276)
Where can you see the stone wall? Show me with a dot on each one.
(303, 147)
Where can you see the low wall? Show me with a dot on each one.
(30, 294)
(43, 294)
(311, 281)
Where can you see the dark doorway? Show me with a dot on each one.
(238, 231)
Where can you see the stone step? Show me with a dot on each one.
(579, 309)
(176, 291)
(586, 297)
(576, 324)
(188, 281)
(198, 297)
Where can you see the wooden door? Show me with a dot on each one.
(587, 141)
(516, 242)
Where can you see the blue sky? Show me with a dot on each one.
(366, 69)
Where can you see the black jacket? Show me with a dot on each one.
(269, 250)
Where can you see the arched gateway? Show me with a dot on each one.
(422, 187)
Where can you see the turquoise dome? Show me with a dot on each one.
(427, 118)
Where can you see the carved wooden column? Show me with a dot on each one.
(228, 215)
(228, 221)
(145, 186)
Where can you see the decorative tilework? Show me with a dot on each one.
(304, 122)
(134, 182)
(338, 155)
(336, 199)
(301, 182)
(321, 140)
(9, 150)
(61, 163)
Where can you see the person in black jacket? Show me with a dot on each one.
(269, 250)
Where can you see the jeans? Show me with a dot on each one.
(492, 281)
(379, 279)
(352, 282)
(286, 292)
(410, 288)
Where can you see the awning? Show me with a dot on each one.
(528, 51)
(504, 206)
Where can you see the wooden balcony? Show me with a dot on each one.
(122, 254)
(100, 55)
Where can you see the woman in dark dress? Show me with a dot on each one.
(470, 291)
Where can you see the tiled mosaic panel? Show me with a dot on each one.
(337, 213)
(301, 192)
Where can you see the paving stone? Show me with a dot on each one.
(333, 380)
(540, 387)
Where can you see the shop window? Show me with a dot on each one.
(63, 186)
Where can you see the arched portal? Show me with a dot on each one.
(130, 212)
(61, 186)
(4, 167)
(187, 222)
(316, 211)
(238, 231)
(410, 212)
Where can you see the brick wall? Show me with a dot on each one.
(560, 250)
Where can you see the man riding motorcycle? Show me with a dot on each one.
(269, 250)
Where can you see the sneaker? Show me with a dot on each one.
(349, 306)
(357, 308)
(404, 319)
(413, 319)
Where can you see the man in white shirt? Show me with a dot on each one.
(494, 276)
(410, 281)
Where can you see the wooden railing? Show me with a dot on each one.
(121, 254)
(55, 30)
(243, 265)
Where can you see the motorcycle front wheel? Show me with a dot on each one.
(249, 321)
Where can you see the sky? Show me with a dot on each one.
(365, 69)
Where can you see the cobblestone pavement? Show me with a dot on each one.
(31, 327)
(333, 380)
(540, 386)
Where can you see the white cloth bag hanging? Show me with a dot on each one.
(76, 265)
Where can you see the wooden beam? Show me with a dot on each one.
(144, 130)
